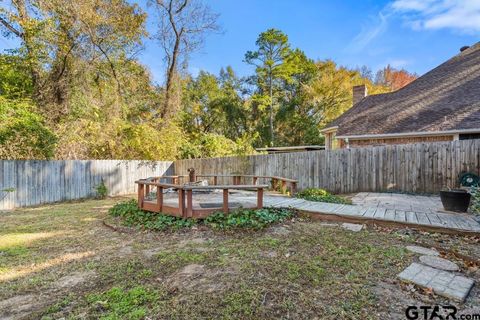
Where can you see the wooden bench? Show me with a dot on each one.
(285, 183)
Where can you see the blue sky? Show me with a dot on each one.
(413, 34)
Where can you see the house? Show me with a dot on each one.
(441, 105)
(273, 150)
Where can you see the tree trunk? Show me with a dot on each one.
(272, 137)
(166, 112)
(27, 39)
(172, 68)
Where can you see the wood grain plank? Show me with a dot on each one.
(380, 213)
(411, 217)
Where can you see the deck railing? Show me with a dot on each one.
(277, 183)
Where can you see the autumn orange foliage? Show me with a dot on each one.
(393, 78)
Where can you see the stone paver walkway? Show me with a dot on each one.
(439, 263)
(444, 283)
(425, 218)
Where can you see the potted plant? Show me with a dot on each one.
(456, 200)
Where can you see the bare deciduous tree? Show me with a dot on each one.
(182, 25)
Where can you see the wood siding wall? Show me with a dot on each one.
(390, 141)
(38, 182)
(423, 167)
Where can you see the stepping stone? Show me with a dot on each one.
(326, 224)
(423, 251)
(352, 226)
(443, 283)
(439, 263)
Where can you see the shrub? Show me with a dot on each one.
(23, 133)
(101, 190)
(321, 195)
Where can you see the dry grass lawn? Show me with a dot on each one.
(61, 261)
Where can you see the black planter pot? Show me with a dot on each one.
(455, 200)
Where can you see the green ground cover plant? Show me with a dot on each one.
(118, 303)
(475, 201)
(132, 216)
(250, 219)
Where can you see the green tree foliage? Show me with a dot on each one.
(307, 95)
(23, 134)
(74, 88)
(15, 82)
(329, 93)
(215, 116)
(274, 63)
(214, 105)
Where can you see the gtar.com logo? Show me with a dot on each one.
(437, 312)
(431, 312)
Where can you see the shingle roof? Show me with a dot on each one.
(445, 98)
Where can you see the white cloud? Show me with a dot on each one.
(377, 26)
(459, 15)
(418, 5)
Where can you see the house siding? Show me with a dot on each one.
(391, 141)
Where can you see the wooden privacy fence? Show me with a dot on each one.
(36, 182)
(422, 167)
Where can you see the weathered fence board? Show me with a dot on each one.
(422, 167)
(37, 182)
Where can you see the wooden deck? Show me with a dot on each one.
(442, 222)
(185, 192)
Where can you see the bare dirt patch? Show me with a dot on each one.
(18, 306)
(73, 280)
